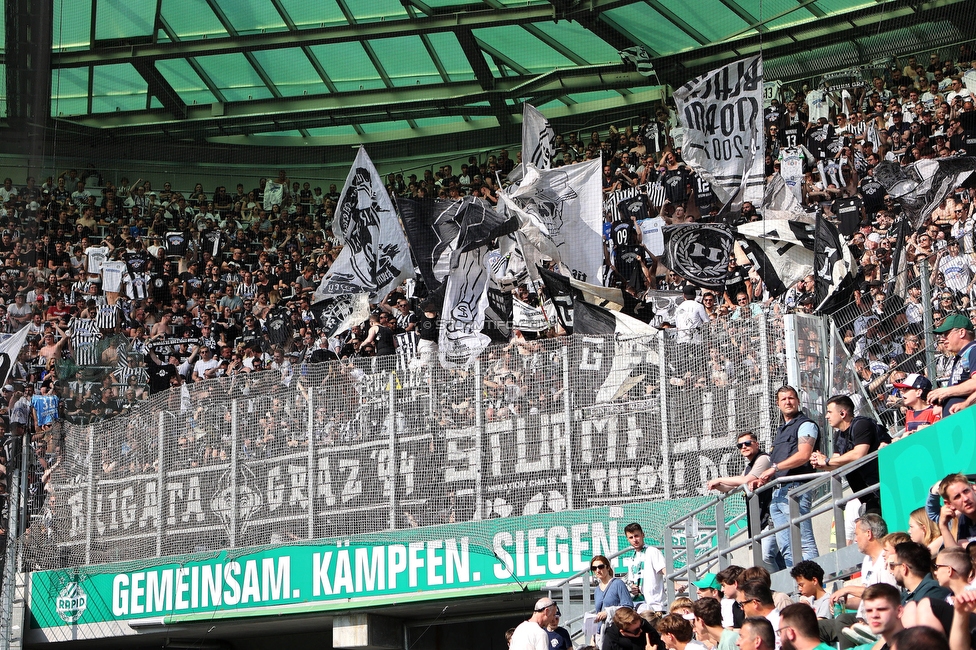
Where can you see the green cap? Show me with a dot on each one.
(707, 581)
(953, 321)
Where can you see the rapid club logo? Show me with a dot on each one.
(71, 603)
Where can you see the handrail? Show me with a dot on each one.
(721, 551)
(564, 586)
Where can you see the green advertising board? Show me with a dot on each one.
(911, 466)
(510, 554)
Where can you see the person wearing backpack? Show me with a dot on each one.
(854, 438)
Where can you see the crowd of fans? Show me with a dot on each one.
(915, 590)
(131, 288)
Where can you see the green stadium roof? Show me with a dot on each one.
(340, 72)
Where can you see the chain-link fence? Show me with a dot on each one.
(335, 449)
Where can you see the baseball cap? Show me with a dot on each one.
(914, 380)
(953, 321)
(543, 604)
(8, 388)
(707, 581)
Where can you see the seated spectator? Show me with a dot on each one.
(912, 568)
(957, 517)
(809, 584)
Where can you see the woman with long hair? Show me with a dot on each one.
(924, 531)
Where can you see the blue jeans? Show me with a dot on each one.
(771, 555)
(779, 511)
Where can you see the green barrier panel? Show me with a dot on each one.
(910, 466)
(452, 560)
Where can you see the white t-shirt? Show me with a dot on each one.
(874, 572)
(529, 636)
(647, 570)
(689, 316)
(202, 366)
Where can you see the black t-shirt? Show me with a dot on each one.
(629, 267)
(849, 213)
(735, 282)
(137, 261)
(427, 327)
(160, 376)
(791, 136)
(862, 431)
(623, 233)
(873, 193)
(675, 183)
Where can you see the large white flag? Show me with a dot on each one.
(537, 138)
(375, 258)
(722, 114)
(565, 206)
(465, 301)
(9, 351)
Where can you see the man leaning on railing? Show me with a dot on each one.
(793, 445)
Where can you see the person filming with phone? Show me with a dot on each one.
(957, 516)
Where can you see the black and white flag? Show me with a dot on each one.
(654, 195)
(440, 231)
(374, 258)
(722, 114)
(564, 205)
(591, 319)
(698, 252)
(561, 294)
(834, 269)
(780, 250)
(530, 318)
(10, 350)
(537, 137)
(339, 314)
(463, 315)
(639, 57)
(922, 186)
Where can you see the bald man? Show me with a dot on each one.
(531, 634)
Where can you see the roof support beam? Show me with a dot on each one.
(160, 89)
(310, 37)
(455, 98)
(677, 21)
(474, 53)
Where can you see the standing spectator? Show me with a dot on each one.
(531, 634)
(611, 592)
(792, 447)
(646, 573)
(854, 438)
(757, 462)
(957, 334)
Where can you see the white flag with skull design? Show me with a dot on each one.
(375, 257)
(465, 301)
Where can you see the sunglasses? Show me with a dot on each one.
(597, 567)
(743, 445)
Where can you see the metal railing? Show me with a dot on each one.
(721, 546)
